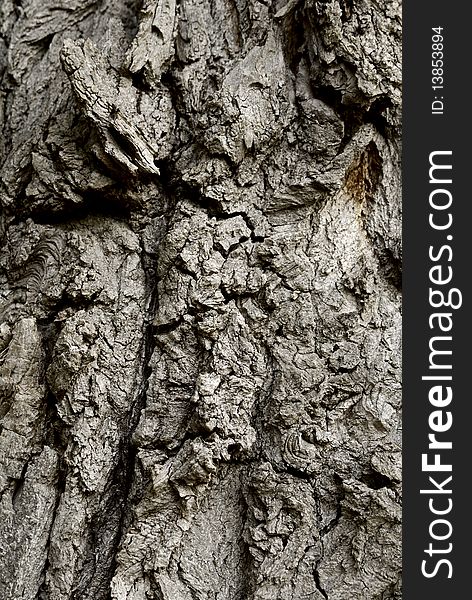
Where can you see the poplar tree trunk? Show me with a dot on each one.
(200, 300)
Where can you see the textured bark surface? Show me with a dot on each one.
(200, 300)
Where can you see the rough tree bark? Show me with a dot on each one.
(200, 299)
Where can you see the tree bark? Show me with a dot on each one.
(200, 300)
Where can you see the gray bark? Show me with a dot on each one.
(200, 300)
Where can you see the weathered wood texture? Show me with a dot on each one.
(200, 300)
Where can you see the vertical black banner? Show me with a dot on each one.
(437, 321)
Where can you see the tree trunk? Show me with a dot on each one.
(200, 300)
